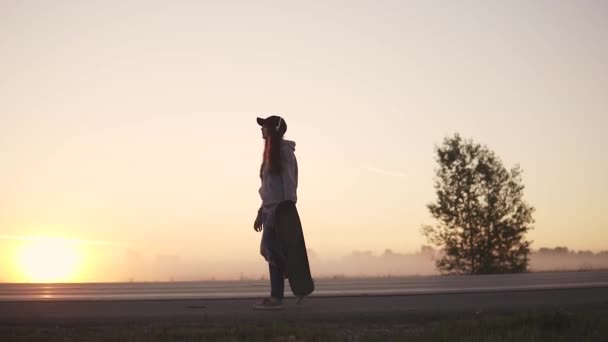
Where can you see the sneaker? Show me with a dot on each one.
(269, 304)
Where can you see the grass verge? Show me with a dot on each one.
(553, 325)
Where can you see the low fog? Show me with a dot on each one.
(357, 264)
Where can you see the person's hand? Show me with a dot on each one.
(257, 225)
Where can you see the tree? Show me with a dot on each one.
(482, 217)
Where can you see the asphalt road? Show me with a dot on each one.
(408, 296)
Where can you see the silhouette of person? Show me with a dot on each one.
(279, 183)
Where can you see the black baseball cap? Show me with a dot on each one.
(274, 121)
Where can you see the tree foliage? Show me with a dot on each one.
(482, 218)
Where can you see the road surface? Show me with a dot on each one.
(433, 295)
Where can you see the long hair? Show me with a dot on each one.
(271, 159)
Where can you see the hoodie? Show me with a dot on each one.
(277, 188)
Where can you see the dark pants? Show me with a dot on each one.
(273, 253)
(277, 282)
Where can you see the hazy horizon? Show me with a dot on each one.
(140, 267)
(130, 125)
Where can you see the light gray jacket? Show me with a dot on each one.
(277, 188)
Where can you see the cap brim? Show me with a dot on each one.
(260, 121)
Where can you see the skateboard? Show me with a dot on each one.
(291, 238)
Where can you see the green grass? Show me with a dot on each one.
(556, 325)
(546, 326)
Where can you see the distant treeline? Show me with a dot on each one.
(562, 258)
(390, 263)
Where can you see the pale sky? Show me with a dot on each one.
(132, 123)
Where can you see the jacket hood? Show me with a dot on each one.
(290, 145)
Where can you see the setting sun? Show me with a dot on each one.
(48, 260)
